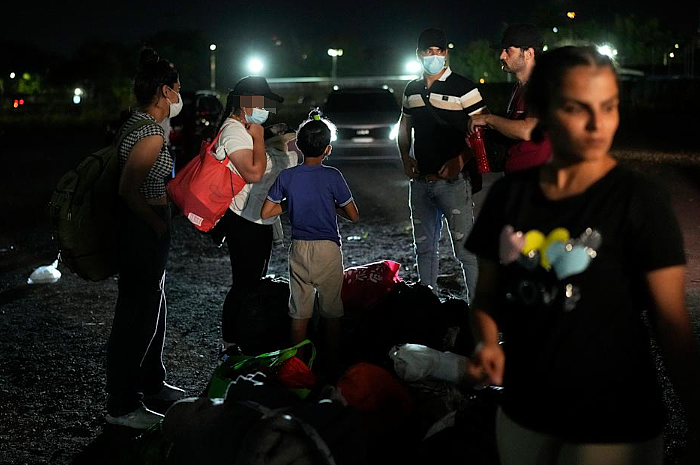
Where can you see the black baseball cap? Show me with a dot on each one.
(432, 38)
(522, 36)
(255, 85)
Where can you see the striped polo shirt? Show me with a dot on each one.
(438, 139)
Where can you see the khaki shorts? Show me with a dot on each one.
(315, 266)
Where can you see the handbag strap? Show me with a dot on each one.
(280, 355)
(434, 114)
(216, 139)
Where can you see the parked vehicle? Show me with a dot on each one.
(367, 123)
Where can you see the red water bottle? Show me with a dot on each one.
(476, 140)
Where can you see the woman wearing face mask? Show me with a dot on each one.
(249, 238)
(135, 367)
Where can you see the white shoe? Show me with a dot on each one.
(167, 393)
(141, 418)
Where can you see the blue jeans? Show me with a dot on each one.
(430, 202)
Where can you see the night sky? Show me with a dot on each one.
(62, 25)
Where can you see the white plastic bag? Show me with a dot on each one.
(415, 362)
(45, 274)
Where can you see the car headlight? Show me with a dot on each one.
(394, 132)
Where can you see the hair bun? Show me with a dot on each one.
(148, 56)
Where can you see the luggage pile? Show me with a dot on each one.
(400, 394)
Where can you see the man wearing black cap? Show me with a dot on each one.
(519, 48)
(249, 238)
(432, 130)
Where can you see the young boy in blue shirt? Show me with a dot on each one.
(315, 195)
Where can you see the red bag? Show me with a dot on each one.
(204, 188)
(371, 388)
(366, 285)
(294, 373)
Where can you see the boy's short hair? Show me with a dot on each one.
(314, 134)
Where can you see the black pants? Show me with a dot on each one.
(135, 348)
(250, 246)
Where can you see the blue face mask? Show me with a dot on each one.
(433, 64)
(259, 116)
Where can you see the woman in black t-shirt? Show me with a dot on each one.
(571, 254)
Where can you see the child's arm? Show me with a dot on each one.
(349, 212)
(270, 209)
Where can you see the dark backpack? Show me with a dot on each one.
(262, 320)
(83, 212)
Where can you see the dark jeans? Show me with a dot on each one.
(135, 348)
(250, 246)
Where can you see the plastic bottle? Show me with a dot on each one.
(476, 141)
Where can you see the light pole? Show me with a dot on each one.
(334, 53)
(572, 16)
(212, 66)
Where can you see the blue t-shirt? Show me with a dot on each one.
(313, 192)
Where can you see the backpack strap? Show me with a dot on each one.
(131, 128)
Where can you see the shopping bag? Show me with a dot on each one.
(203, 189)
(236, 366)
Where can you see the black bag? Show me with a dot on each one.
(406, 315)
(497, 146)
(200, 430)
(326, 433)
(262, 320)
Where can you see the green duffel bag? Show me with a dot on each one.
(241, 365)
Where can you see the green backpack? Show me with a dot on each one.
(83, 212)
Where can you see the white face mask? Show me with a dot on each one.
(259, 116)
(433, 64)
(175, 108)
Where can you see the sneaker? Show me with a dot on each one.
(141, 418)
(232, 351)
(167, 393)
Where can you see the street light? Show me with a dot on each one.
(12, 75)
(212, 66)
(571, 14)
(607, 50)
(334, 53)
(255, 65)
(413, 67)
